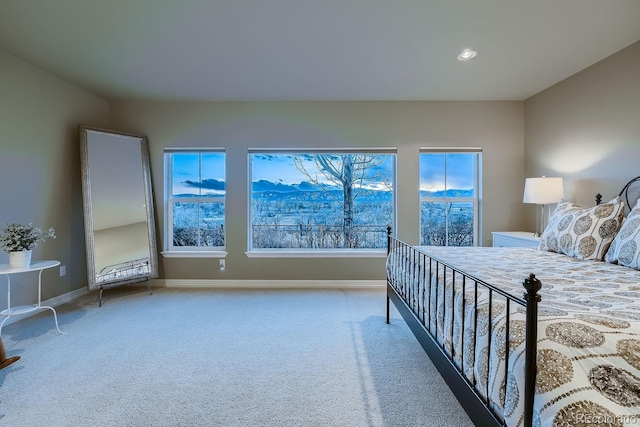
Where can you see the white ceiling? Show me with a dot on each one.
(315, 49)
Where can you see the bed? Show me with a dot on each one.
(557, 347)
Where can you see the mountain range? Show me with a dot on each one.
(305, 186)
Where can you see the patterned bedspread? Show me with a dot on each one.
(588, 370)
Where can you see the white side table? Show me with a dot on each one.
(520, 239)
(39, 266)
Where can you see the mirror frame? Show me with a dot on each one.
(88, 211)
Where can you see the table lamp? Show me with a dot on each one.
(542, 191)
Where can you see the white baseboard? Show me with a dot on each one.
(52, 302)
(269, 284)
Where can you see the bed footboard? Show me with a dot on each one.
(433, 296)
(472, 403)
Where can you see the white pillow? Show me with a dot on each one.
(625, 249)
(583, 233)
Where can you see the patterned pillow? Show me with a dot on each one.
(583, 233)
(625, 249)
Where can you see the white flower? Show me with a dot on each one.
(20, 237)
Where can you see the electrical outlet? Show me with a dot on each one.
(222, 264)
(63, 270)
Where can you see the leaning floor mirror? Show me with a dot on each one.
(119, 218)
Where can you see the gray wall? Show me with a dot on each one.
(40, 170)
(587, 129)
(237, 126)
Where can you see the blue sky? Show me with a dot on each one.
(460, 171)
(186, 168)
(280, 168)
(275, 168)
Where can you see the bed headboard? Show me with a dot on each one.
(625, 191)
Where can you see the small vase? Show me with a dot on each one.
(20, 259)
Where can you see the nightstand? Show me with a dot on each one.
(519, 239)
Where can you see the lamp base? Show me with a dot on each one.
(539, 220)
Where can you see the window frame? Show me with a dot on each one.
(316, 252)
(475, 201)
(171, 251)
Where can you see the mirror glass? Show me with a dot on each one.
(118, 208)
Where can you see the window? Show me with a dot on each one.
(449, 187)
(318, 200)
(195, 209)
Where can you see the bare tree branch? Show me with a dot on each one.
(349, 172)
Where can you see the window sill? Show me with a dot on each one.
(194, 254)
(317, 254)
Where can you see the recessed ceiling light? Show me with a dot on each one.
(467, 54)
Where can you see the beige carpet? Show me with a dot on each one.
(222, 358)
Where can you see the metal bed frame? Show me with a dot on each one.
(415, 311)
(414, 308)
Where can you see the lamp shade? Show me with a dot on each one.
(543, 190)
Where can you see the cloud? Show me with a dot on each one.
(209, 184)
(268, 157)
